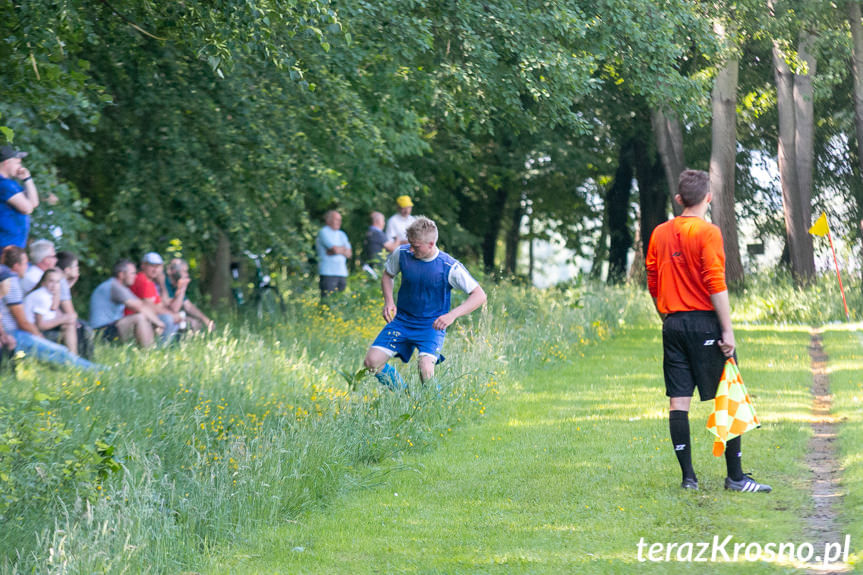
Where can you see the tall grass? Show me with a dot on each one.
(148, 466)
(773, 298)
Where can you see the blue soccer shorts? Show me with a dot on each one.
(399, 339)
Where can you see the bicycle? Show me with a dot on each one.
(265, 298)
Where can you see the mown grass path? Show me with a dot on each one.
(569, 469)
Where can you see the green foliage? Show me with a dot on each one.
(45, 458)
(773, 298)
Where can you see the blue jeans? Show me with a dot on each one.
(45, 350)
(170, 328)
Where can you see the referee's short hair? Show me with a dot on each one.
(692, 186)
(422, 229)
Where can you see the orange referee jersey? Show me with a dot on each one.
(685, 264)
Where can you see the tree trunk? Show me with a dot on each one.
(219, 272)
(796, 228)
(804, 108)
(513, 236)
(854, 18)
(492, 232)
(723, 156)
(600, 253)
(652, 199)
(617, 207)
(669, 143)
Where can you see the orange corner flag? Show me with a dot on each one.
(820, 227)
(733, 411)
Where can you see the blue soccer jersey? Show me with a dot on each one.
(425, 294)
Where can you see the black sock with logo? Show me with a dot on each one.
(733, 453)
(678, 424)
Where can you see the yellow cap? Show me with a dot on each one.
(404, 201)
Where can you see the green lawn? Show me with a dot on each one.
(844, 346)
(565, 473)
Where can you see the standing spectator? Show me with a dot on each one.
(67, 262)
(27, 336)
(43, 256)
(17, 201)
(144, 286)
(112, 298)
(333, 249)
(176, 282)
(376, 245)
(397, 225)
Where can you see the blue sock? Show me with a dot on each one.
(391, 378)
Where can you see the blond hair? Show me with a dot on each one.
(422, 229)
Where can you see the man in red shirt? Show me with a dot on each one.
(152, 267)
(686, 277)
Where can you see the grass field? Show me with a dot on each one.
(570, 470)
(844, 346)
(170, 454)
(546, 450)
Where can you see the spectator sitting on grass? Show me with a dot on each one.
(175, 287)
(42, 309)
(7, 341)
(27, 336)
(43, 256)
(111, 298)
(144, 286)
(67, 262)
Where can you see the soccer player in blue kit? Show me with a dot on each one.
(420, 317)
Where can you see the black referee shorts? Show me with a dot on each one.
(691, 354)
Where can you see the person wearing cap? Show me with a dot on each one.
(109, 303)
(333, 250)
(18, 198)
(27, 336)
(397, 225)
(144, 286)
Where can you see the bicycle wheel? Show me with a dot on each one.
(269, 303)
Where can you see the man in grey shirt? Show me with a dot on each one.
(108, 305)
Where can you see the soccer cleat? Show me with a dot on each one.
(747, 485)
(690, 483)
(391, 378)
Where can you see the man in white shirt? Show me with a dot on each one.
(397, 225)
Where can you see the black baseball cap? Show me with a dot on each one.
(8, 152)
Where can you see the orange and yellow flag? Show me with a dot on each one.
(733, 411)
(820, 227)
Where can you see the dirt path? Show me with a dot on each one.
(822, 525)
